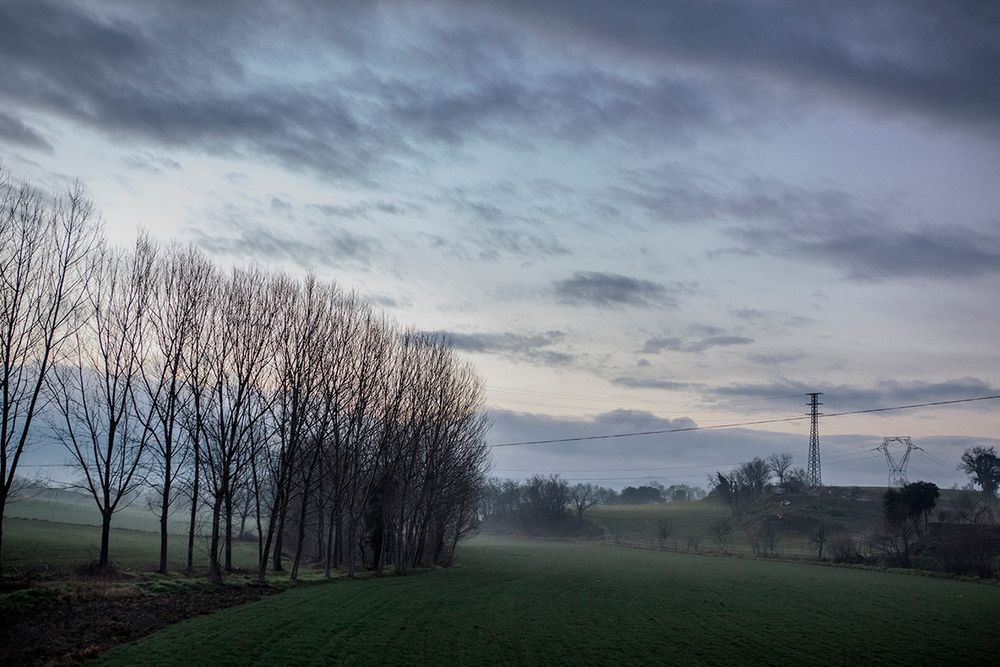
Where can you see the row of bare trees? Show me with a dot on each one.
(344, 437)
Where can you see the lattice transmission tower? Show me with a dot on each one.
(814, 476)
(897, 463)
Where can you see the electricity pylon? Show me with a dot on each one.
(814, 476)
(897, 464)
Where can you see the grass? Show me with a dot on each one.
(38, 546)
(59, 529)
(516, 601)
(74, 507)
(843, 515)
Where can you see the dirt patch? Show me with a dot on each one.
(62, 631)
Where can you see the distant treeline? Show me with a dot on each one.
(331, 425)
(541, 505)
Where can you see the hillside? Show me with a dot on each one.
(844, 511)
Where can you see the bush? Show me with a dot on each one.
(845, 550)
(967, 549)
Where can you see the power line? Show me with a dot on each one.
(739, 424)
(913, 405)
(656, 432)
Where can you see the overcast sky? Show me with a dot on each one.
(627, 213)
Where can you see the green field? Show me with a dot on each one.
(61, 530)
(71, 507)
(799, 514)
(515, 601)
(35, 545)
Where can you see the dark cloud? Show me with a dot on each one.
(839, 398)
(176, 77)
(505, 220)
(651, 383)
(930, 58)
(185, 75)
(15, 131)
(368, 95)
(153, 163)
(543, 427)
(771, 320)
(612, 289)
(860, 238)
(835, 228)
(507, 241)
(670, 344)
(531, 348)
(386, 301)
(876, 254)
(775, 359)
(332, 247)
(364, 210)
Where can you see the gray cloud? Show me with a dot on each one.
(151, 162)
(183, 75)
(512, 242)
(935, 59)
(15, 131)
(363, 210)
(835, 228)
(670, 344)
(612, 289)
(877, 254)
(860, 238)
(773, 359)
(332, 247)
(176, 78)
(652, 383)
(838, 398)
(530, 348)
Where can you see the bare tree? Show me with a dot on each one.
(241, 323)
(301, 344)
(779, 464)
(819, 537)
(583, 496)
(664, 529)
(754, 476)
(726, 487)
(254, 394)
(178, 295)
(722, 529)
(198, 343)
(99, 424)
(43, 248)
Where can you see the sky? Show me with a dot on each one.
(629, 215)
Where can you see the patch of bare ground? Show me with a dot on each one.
(69, 621)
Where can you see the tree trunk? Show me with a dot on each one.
(351, 558)
(279, 542)
(3, 508)
(229, 532)
(301, 537)
(102, 562)
(194, 509)
(164, 508)
(338, 539)
(320, 533)
(214, 567)
(330, 545)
